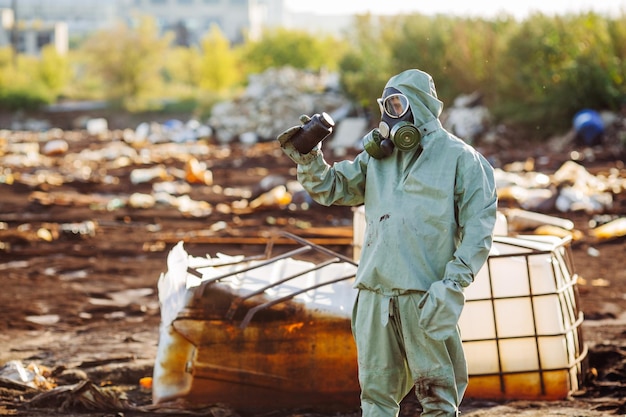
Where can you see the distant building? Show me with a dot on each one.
(63, 22)
(42, 22)
(30, 36)
(192, 19)
(56, 21)
(81, 16)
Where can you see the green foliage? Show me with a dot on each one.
(21, 86)
(460, 54)
(183, 66)
(295, 48)
(365, 67)
(129, 63)
(557, 66)
(6, 58)
(53, 70)
(219, 63)
(535, 73)
(24, 98)
(423, 43)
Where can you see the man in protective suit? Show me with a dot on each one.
(430, 209)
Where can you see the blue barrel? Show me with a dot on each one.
(589, 126)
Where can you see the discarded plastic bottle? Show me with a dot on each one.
(613, 229)
(313, 132)
(277, 196)
(197, 173)
(521, 219)
(55, 147)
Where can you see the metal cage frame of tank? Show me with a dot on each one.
(570, 374)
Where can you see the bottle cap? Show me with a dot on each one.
(327, 120)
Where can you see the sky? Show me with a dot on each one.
(482, 8)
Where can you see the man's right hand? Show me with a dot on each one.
(287, 146)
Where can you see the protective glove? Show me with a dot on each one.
(441, 308)
(287, 146)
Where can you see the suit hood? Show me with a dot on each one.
(419, 88)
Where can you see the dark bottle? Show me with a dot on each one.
(313, 132)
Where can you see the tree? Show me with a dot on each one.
(53, 70)
(299, 49)
(219, 66)
(365, 68)
(21, 87)
(183, 67)
(558, 66)
(129, 62)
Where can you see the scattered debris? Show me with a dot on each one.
(611, 230)
(571, 188)
(467, 117)
(32, 375)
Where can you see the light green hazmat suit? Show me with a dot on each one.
(430, 214)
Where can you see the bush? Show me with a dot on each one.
(25, 98)
(536, 73)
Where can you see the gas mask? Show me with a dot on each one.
(396, 129)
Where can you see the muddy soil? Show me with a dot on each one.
(79, 273)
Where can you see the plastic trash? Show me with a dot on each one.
(610, 230)
(277, 196)
(141, 175)
(141, 200)
(55, 147)
(578, 199)
(267, 183)
(248, 138)
(196, 172)
(84, 228)
(146, 382)
(171, 187)
(589, 127)
(580, 190)
(44, 319)
(97, 126)
(551, 230)
(32, 375)
(141, 132)
(522, 219)
(173, 124)
(190, 207)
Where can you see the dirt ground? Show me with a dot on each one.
(79, 268)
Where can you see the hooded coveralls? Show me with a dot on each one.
(430, 214)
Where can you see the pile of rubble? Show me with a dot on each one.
(273, 101)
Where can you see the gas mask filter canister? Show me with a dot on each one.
(405, 136)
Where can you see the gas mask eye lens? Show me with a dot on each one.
(394, 106)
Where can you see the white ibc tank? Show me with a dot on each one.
(521, 323)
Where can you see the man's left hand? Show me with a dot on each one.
(441, 308)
